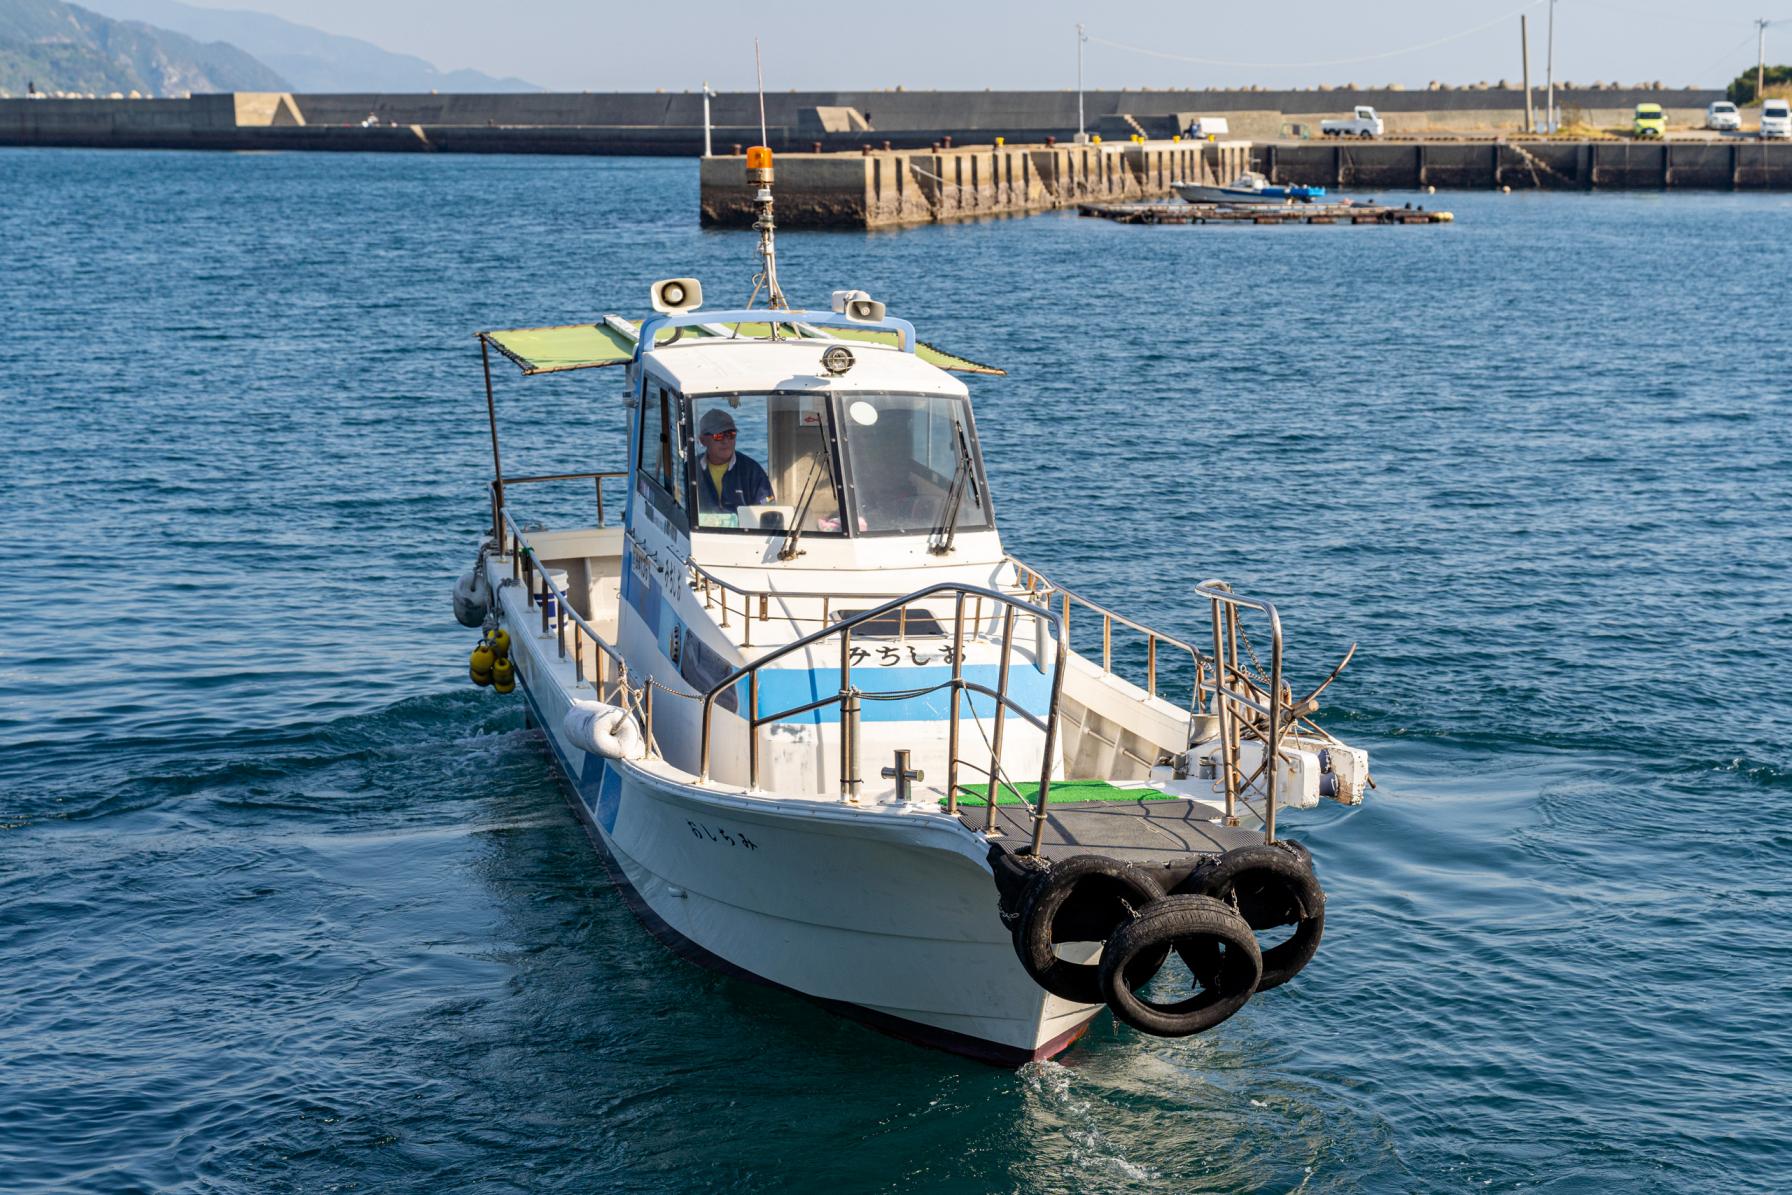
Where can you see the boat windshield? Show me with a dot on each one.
(913, 459)
(763, 462)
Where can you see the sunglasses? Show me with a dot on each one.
(727, 435)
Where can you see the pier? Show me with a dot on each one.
(889, 188)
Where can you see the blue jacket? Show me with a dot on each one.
(744, 484)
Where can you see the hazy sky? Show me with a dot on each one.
(567, 45)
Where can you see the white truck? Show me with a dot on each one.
(1363, 123)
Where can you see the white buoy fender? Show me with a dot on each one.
(472, 599)
(605, 730)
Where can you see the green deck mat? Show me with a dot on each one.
(1062, 793)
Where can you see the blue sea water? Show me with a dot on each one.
(286, 905)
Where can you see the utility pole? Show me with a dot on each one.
(1549, 70)
(706, 94)
(1082, 131)
(1524, 46)
(1760, 58)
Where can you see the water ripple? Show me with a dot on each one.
(285, 905)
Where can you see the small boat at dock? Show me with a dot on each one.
(1249, 187)
(827, 735)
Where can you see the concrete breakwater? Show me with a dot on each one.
(672, 124)
(849, 123)
(892, 188)
(1736, 164)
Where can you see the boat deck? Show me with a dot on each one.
(1139, 831)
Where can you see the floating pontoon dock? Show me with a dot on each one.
(1246, 213)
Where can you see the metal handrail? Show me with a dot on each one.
(496, 488)
(1226, 605)
(525, 565)
(704, 581)
(636, 696)
(1153, 636)
(848, 698)
(645, 340)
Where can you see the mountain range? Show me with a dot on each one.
(309, 59)
(163, 47)
(59, 47)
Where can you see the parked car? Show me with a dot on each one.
(1363, 123)
(1776, 119)
(1723, 117)
(1651, 121)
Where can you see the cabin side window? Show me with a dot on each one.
(661, 453)
(662, 457)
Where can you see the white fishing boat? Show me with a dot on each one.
(1249, 187)
(829, 736)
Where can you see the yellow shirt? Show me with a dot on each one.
(716, 473)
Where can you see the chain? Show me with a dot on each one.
(1262, 672)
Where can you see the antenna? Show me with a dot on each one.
(759, 71)
(759, 171)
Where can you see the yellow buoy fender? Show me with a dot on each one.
(479, 678)
(499, 638)
(481, 658)
(606, 730)
(503, 675)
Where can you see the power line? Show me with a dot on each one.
(1719, 60)
(1330, 62)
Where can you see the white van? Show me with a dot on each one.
(1208, 128)
(1723, 117)
(1776, 119)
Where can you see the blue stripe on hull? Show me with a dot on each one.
(785, 688)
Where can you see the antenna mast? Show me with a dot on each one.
(759, 172)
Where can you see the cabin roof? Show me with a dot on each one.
(721, 366)
(611, 341)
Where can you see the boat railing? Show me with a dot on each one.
(496, 490)
(1247, 708)
(849, 699)
(1046, 591)
(755, 605)
(608, 674)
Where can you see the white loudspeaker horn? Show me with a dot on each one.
(675, 295)
(841, 298)
(868, 311)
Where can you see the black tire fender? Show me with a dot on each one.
(1081, 899)
(1270, 884)
(1188, 923)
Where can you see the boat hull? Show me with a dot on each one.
(890, 921)
(1275, 196)
(1192, 193)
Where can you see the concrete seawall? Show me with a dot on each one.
(657, 123)
(900, 122)
(1739, 164)
(892, 188)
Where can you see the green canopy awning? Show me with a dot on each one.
(592, 346)
(568, 346)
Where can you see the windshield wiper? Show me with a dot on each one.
(795, 533)
(945, 528)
